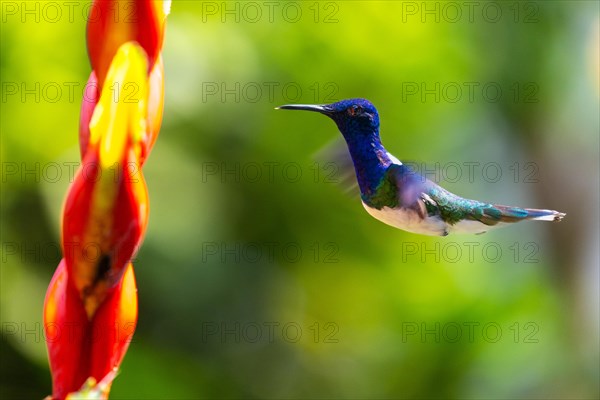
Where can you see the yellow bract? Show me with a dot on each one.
(122, 108)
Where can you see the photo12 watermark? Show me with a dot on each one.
(269, 332)
(470, 92)
(270, 172)
(68, 332)
(469, 252)
(477, 171)
(55, 12)
(269, 91)
(52, 252)
(53, 172)
(67, 91)
(253, 12)
(452, 12)
(270, 252)
(469, 332)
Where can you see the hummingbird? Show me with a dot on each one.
(397, 195)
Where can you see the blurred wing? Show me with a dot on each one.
(335, 165)
(411, 189)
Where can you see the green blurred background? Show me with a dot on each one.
(259, 277)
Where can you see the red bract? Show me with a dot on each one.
(113, 326)
(66, 326)
(113, 22)
(79, 348)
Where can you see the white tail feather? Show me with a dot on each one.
(552, 216)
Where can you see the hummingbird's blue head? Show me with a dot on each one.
(355, 118)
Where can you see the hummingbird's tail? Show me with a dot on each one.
(544, 215)
(516, 214)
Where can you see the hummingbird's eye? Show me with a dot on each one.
(355, 110)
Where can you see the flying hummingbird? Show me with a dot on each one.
(398, 196)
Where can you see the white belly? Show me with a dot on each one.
(469, 226)
(408, 220)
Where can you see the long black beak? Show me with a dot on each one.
(323, 109)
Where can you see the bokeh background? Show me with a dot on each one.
(259, 277)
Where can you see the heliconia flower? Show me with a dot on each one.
(111, 24)
(90, 310)
(155, 109)
(79, 348)
(106, 210)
